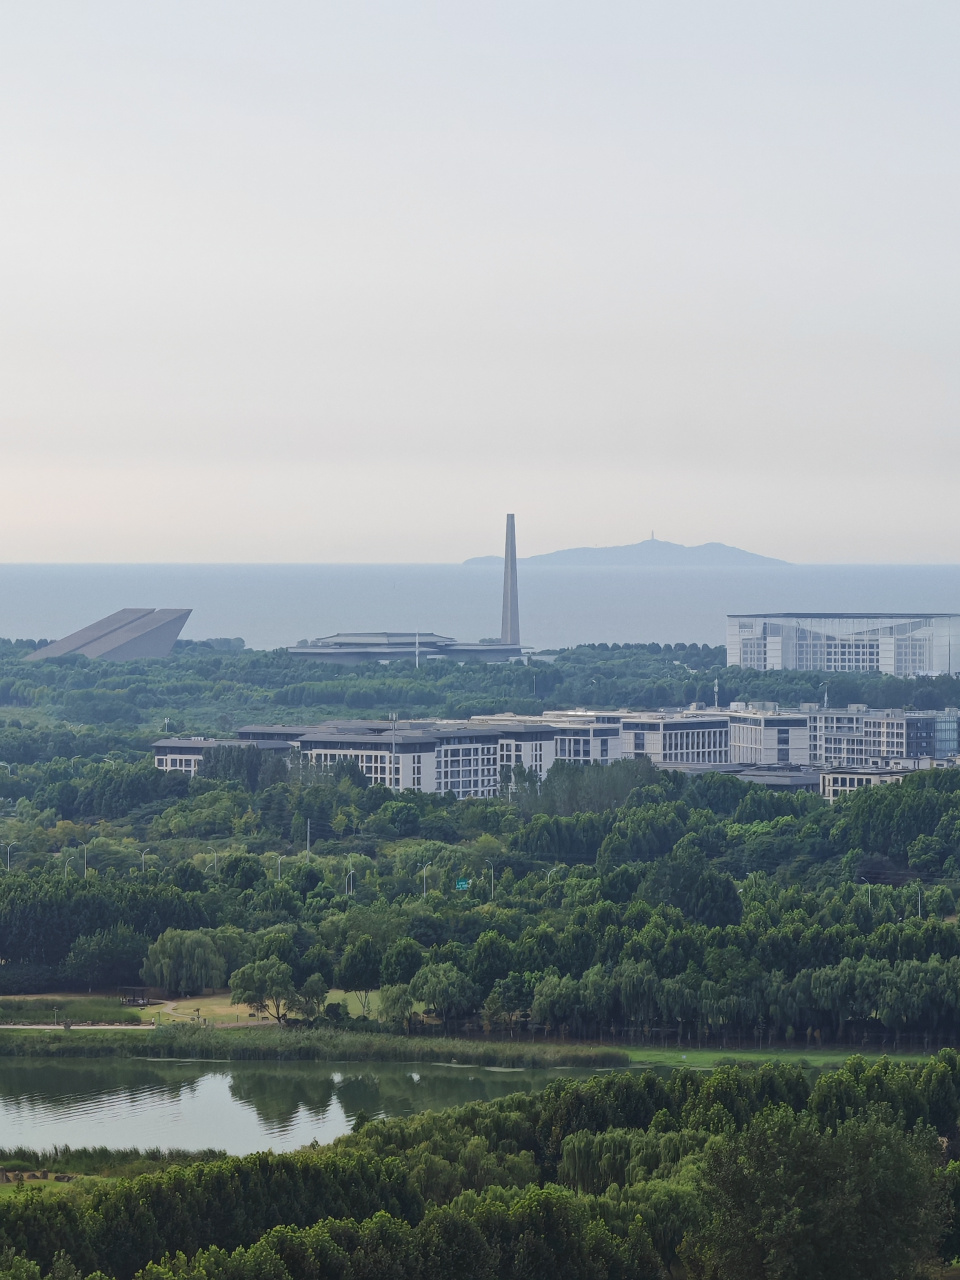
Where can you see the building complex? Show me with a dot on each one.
(863, 736)
(897, 644)
(759, 741)
(468, 757)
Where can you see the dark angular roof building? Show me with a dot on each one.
(126, 634)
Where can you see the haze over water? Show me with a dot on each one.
(273, 605)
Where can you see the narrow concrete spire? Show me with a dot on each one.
(510, 626)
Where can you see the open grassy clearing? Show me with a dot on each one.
(104, 1007)
(58, 1008)
(217, 1008)
(50, 1187)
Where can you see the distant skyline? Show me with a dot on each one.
(325, 283)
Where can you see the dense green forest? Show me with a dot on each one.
(738, 1174)
(627, 903)
(200, 688)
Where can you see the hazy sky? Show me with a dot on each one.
(347, 281)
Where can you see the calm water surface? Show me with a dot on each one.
(237, 1107)
(280, 604)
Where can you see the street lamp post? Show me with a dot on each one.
(143, 862)
(8, 847)
(424, 868)
(65, 865)
(210, 849)
(490, 865)
(869, 887)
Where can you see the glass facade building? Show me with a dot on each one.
(897, 644)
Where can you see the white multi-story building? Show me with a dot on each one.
(743, 735)
(579, 737)
(860, 736)
(435, 756)
(768, 737)
(840, 781)
(899, 644)
(672, 738)
(465, 757)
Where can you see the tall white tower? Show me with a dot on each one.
(510, 625)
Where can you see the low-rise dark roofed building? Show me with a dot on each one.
(273, 732)
(186, 754)
(294, 732)
(352, 648)
(443, 755)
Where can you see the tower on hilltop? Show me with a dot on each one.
(510, 625)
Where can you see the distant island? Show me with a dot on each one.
(650, 552)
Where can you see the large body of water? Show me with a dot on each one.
(273, 605)
(235, 1107)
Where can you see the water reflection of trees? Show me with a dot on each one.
(277, 1094)
(61, 1085)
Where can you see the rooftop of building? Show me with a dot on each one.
(126, 634)
(827, 613)
(201, 744)
(362, 638)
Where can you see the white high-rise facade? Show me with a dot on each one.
(897, 644)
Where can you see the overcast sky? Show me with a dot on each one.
(347, 281)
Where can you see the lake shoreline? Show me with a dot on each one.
(253, 1044)
(240, 1107)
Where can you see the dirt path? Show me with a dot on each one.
(77, 1026)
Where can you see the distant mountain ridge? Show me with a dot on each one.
(649, 554)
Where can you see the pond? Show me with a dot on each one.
(237, 1107)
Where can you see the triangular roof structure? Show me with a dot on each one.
(126, 634)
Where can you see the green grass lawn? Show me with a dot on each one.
(708, 1058)
(51, 1188)
(70, 1008)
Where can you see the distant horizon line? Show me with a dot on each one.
(473, 562)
